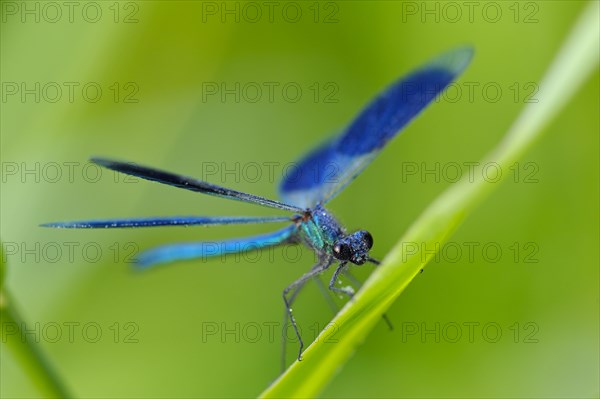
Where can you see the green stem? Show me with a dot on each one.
(27, 353)
(576, 60)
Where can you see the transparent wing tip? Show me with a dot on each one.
(455, 60)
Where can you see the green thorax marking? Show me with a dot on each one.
(319, 229)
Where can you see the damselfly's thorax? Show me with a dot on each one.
(320, 230)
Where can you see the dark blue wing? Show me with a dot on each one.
(329, 168)
(188, 183)
(166, 221)
(195, 250)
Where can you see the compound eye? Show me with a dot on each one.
(368, 238)
(342, 251)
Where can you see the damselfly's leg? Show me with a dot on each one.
(286, 315)
(344, 290)
(324, 263)
(327, 294)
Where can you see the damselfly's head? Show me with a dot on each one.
(354, 247)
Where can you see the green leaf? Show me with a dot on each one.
(577, 58)
(27, 353)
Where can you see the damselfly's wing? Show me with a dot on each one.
(189, 183)
(195, 250)
(329, 168)
(166, 221)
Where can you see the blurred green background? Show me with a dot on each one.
(154, 62)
